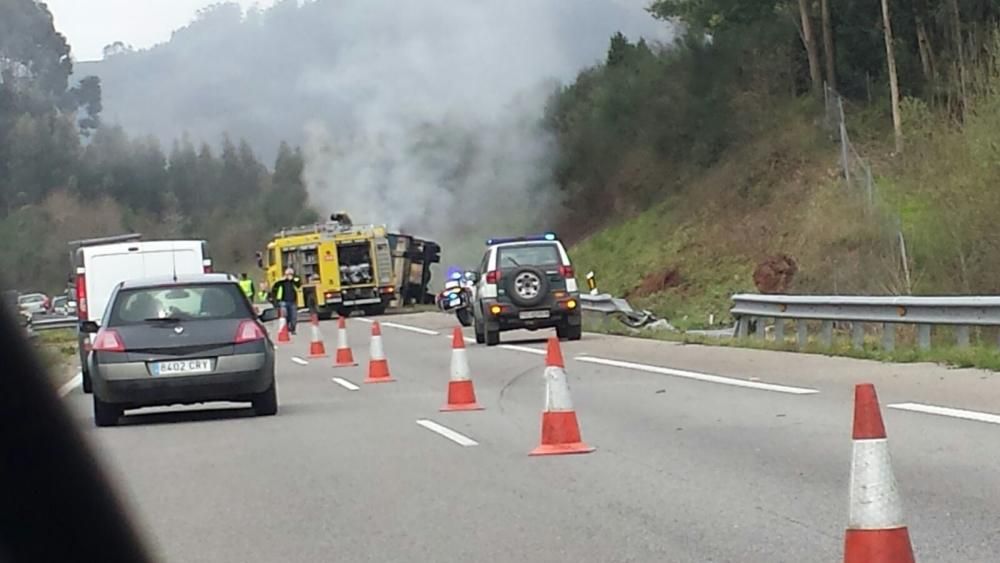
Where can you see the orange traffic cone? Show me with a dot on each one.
(875, 529)
(283, 326)
(461, 394)
(316, 347)
(560, 429)
(345, 358)
(378, 366)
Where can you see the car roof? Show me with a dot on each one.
(526, 243)
(186, 279)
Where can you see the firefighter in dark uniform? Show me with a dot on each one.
(285, 294)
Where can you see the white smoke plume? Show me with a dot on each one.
(436, 106)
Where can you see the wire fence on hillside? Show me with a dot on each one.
(859, 181)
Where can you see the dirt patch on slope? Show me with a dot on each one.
(775, 274)
(657, 282)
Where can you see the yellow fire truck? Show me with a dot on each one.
(343, 267)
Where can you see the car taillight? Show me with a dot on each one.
(493, 277)
(81, 296)
(249, 331)
(566, 271)
(206, 265)
(108, 341)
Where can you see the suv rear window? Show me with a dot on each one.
(528, 255)
(186, 302)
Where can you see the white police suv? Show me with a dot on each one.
(526, 283)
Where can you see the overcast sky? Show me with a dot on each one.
(89, 25)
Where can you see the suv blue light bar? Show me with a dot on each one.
(546, 236)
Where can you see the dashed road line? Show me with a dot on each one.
(698, 376)
(71, 384)
(415, 329)
(460, 439)
(345, 384)
(299, 361)
(946, 411)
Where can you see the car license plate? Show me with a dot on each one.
(182, 367)
(534, 314)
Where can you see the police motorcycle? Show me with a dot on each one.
(457, 296)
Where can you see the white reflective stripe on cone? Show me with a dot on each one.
(375, 351)
(875, 502)
(315, 333)
(459, 365)
(557, 390)
(341, 338)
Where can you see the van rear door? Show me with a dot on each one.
(162, 261)
(105, 270)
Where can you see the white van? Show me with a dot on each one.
(101, 264)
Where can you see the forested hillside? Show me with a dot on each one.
(65, 175)
(688, 167)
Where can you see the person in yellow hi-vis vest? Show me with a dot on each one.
(246, 284)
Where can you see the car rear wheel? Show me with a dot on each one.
(106, 414)
(570, 332)
(480, 336)
(266, 403)
(492, 337)
(88, 387)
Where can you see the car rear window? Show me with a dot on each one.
(186, 302)
(528, 255)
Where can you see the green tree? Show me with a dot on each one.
(286, 203)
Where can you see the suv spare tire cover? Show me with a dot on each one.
(527, 287)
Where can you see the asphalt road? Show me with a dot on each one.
(689, 467)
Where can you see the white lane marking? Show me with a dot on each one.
(513, 347)
(345, 384)
(698, 376)
(71, 384)
(416, 329)
(364, 320)
(460, 439)
(522, 349)
(299, 361)
(945, 411)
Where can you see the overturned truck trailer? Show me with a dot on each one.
(412, 259)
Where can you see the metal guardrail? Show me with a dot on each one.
(52, 323)
(608, 305)
(605, 303)
(753, 311)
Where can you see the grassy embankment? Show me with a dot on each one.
(58, 353)
(782, 193)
